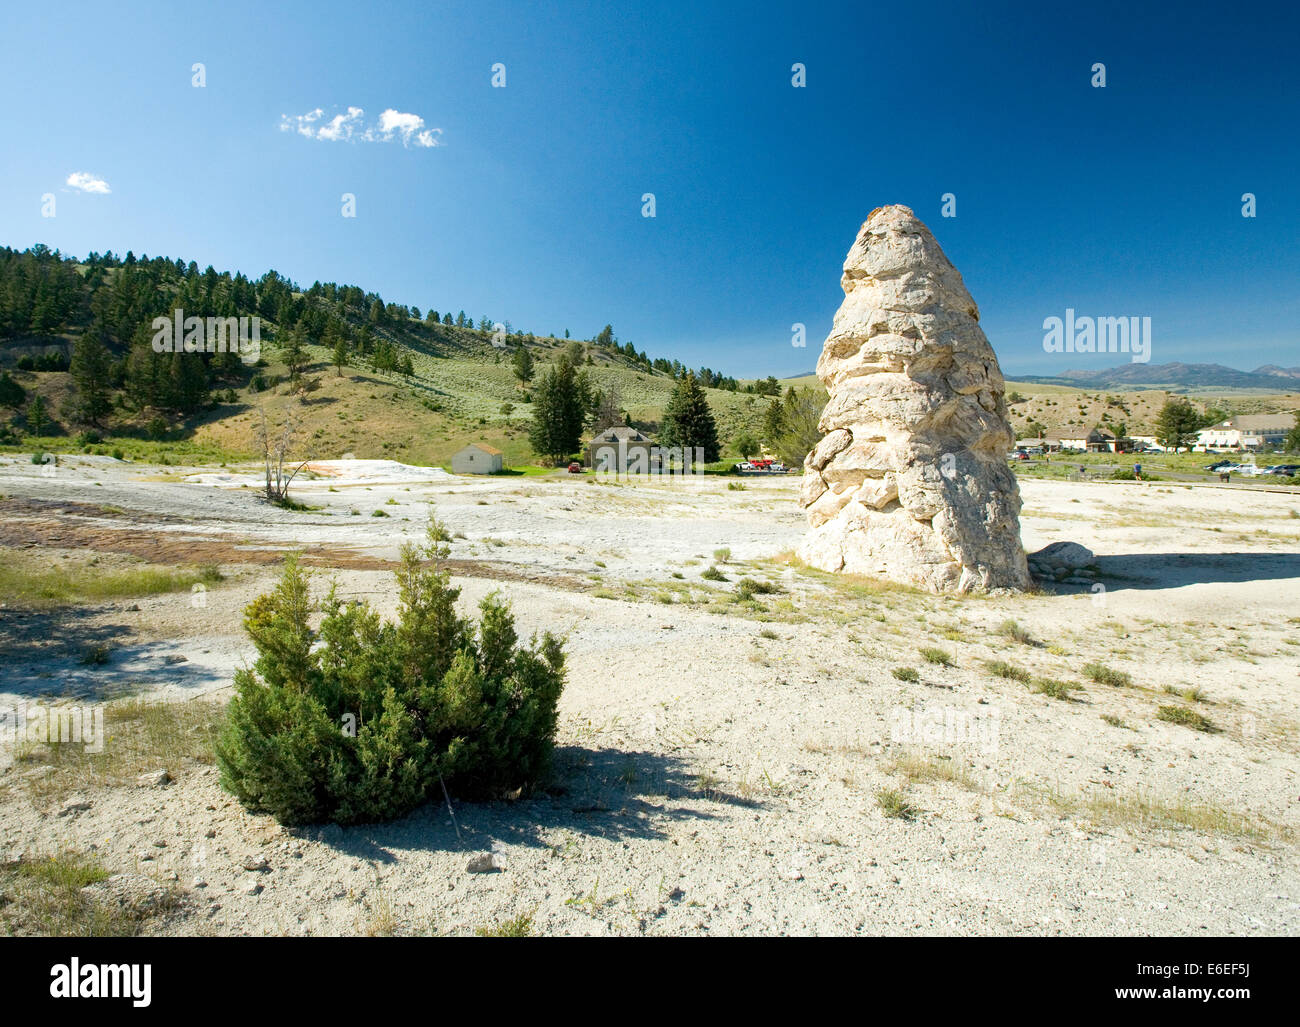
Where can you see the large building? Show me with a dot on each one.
(621, 450)
(1249, 431)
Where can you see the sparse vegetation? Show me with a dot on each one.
(1186, 717)
(1104, 675)
(1002, 669)
(906, 674)
(932, 655)
(894, 804)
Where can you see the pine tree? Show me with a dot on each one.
(688, 419)
(341, 354)
(37, 418)
(558, 413)
(522, 362)
(90, 370)
(1177, 424)
(295, 356)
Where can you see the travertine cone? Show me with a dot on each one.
(910, 480)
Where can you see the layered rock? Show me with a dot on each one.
(910, 480)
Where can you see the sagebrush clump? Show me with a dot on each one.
(362, 720)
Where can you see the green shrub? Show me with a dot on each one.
(1052, 688)
(905, 674)
(713, 574)
(1002, 669)
(1104, 675)
(894, 804)
(360, 720)
(1186, 717)
(747, 588)
(933, 655)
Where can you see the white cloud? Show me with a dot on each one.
(392, 126)
(85, 182)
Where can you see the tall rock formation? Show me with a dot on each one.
(910, 480)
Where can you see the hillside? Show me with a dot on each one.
(78, 334)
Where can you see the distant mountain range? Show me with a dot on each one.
(1176, 375)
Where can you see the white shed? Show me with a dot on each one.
(477, 458)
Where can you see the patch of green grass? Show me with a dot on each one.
(1186, 717)
(44, 896)
(1012, 630)
(1002, 669)
(893, 804)
(516, 927)
(1052, 688)
(28, 582)
(722, 555)
(1104, 675)
(932, 655)
(906, 674)
(139, 735)
(713, 574)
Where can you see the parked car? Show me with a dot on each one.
(1021, 455)
(746, 466)
(575, 468)
(1282, 470)
(1221, 465)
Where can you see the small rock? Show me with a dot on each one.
(1064, 556)
(486, 863)
(153, 779)
(254, 888)
(176, 658)
(257, 864)
(198, 882)
(211, 832)
(74, 808)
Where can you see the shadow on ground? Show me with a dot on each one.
(608, 793)
(61, 653)
(1176, 570)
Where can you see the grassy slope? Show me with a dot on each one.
(461, 384)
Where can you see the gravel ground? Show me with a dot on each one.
(719, 765)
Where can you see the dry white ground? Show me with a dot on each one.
(720, 763)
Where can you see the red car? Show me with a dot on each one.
(575, 468)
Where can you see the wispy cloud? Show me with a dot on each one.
(85, 182)
(393, 126)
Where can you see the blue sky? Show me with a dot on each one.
(1124, 200)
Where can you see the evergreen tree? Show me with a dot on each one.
(1293, 436)
(37, 418)
(522, 362)
(295, 356)
(341, 354)
(558, 413)
(91, 368)
(688, 420)
(1177, 424)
